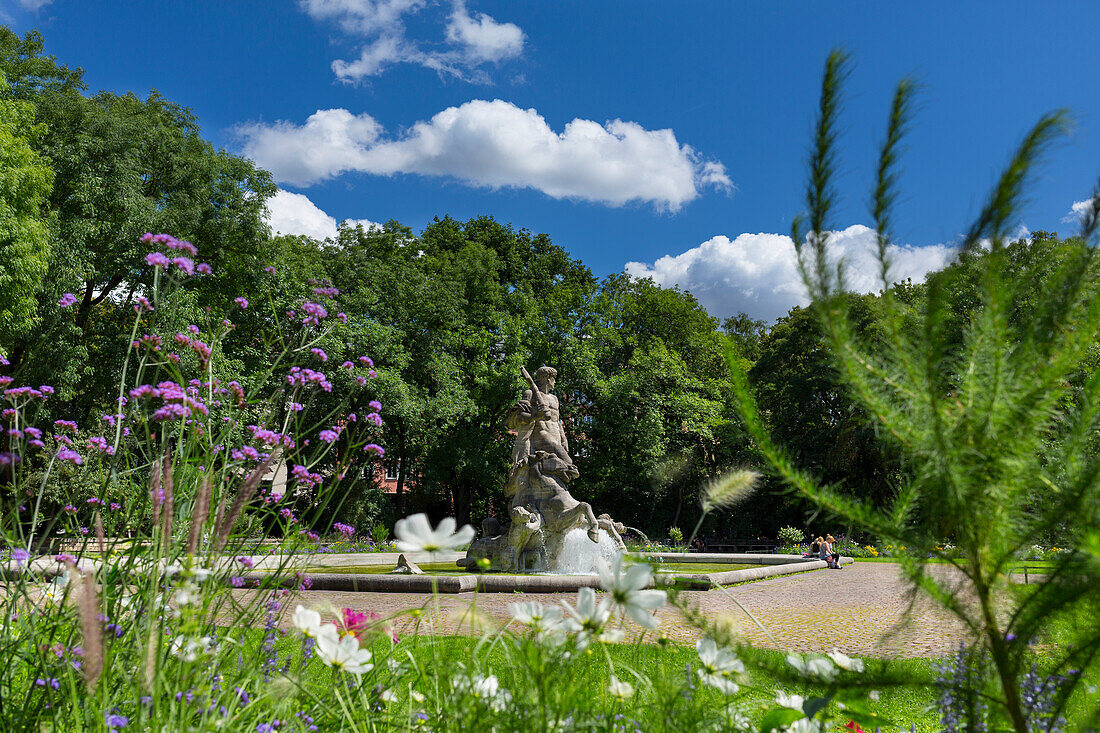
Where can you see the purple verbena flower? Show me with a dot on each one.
(68, 454)
(157, 259)
(67, 299)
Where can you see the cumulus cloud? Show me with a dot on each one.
(493, 145)
(483, 38)
(379, 28)
(295, 213)
(758, 273)
(1077, 212)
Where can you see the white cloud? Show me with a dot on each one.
(493, 145)
(294, 213)
(758, 273)
(33, 5)
(484, 38)
(1077, 212)
(380, 27)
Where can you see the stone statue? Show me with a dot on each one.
(536, 420)
(542, 510)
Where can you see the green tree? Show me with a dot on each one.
(25, 182)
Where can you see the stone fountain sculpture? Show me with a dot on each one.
(542, 534)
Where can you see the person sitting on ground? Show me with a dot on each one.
(815, 548)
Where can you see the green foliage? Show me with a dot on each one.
(791, 536)
(676, 536)
(979, 403)
(379, 532)
(25, 182)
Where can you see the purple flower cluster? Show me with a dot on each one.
(201, 349)
(176, 401)
(270, 437)
(67, 299)
(160, 259)
(346, 530)
(304, 377)
(68, 454)
(101, 445)
(315, 313)
(305, 478)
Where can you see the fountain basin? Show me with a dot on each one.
(758, 567)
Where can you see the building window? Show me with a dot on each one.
(393, 471)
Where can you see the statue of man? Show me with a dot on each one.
(537, 421)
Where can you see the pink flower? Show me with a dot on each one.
(237, 581)
(348, 365)
(375, 419)
(320, 354)
(115, 507)
(329, 436)
(376, 450)
(366, 361)
(65, 425)
(143, 304)
(355, 622)
(203, 269)
(157, 259)
(374, 405)
(269, 270)
(184, 264)
(101, 445)
(242, 302)
(67, 299)
(343, 317)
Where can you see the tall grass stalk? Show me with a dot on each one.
(995, 424)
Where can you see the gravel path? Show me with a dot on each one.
(863, 609)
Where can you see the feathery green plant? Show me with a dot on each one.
(996, 441)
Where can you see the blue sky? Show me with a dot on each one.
(668, 138)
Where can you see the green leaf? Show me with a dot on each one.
(778, 718)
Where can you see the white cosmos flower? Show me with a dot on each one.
(539, 617)
(618, 688)
(189, 649)
(186, 594)
(342, 653)
(718, 665)
(819, 667)
(415, 534)
(307, 621)
(627, 590)
(792, 701)
(488, 689)
(843, 661)
(588, 616)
